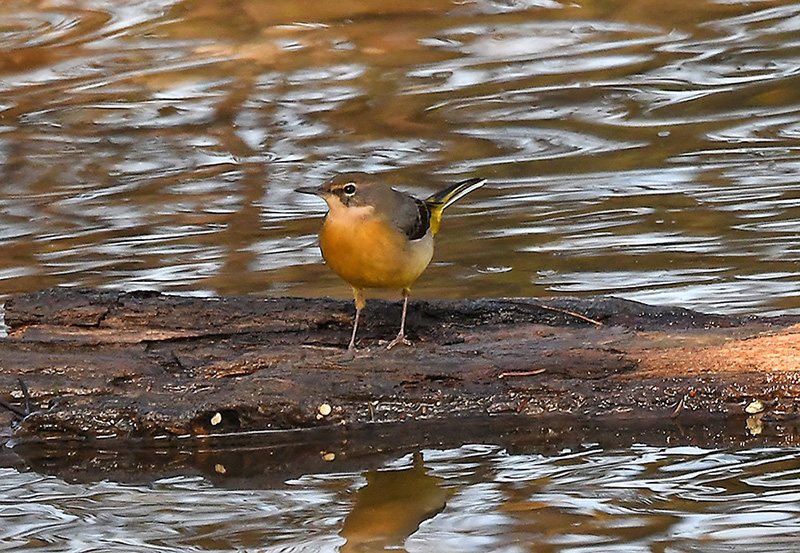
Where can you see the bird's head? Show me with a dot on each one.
(352, 190)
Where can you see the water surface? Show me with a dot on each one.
(476, 498)
(638, 148)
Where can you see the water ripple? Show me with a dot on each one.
(593, 499)
(655, 144)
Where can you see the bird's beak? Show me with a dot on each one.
(313, 190)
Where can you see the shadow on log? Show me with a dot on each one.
(189, 377)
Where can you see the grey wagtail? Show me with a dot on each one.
(376, 237)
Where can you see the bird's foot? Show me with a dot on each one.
(350, 352)
(401, 339)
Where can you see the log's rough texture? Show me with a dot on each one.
(145, 366)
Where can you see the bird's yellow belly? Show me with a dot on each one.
(372, 254)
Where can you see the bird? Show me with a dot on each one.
(376, 237)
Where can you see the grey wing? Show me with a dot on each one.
(413, 217)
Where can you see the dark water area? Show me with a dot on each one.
(643, 149)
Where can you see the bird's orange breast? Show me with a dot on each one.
(368, 252)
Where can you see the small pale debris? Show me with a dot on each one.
(755, 406)
(325, 409)
(755, 425)
(216, 419)
(220, 468)
(328, 455)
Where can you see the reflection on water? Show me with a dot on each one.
(391, 506)
(475, 498)
(641, 148)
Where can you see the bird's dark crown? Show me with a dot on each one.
(356, 189)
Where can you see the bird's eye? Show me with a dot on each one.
(350, 189)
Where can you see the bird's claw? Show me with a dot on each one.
(399, 340)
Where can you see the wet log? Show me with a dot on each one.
(114, 367)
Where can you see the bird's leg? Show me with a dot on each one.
(401, 338)
(360, 304)
(352, 346)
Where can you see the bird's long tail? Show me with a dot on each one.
(439, 201)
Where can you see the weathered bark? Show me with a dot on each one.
(155, 369)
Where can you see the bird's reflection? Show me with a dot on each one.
(391, 507)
